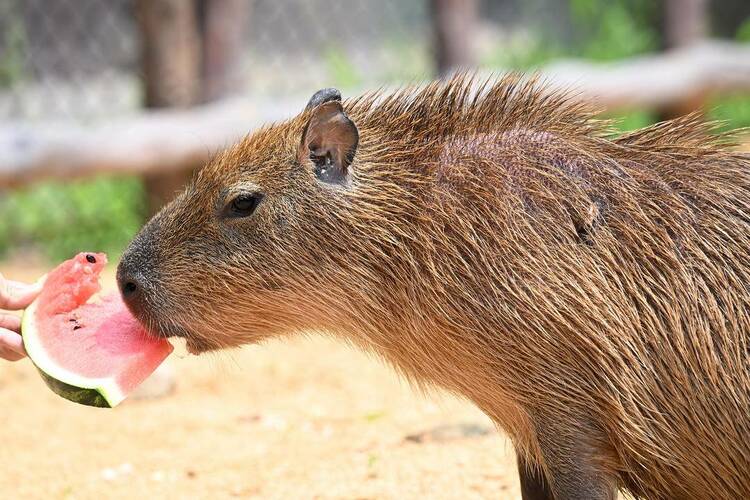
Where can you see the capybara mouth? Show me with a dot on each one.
(159, 328)
(195, 343)
(172, 331)
(164, 331)
(197, 346)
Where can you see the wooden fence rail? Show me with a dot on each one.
(154, 141)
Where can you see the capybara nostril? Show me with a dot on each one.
(129, 288)
(130, 285)
(132, 292)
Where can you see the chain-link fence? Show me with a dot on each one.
(90, 61)
(80, 59)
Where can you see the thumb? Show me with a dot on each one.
(16, 295)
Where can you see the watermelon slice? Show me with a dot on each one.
(91, 352)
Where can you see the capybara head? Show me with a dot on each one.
(345, 219)
(245, 252)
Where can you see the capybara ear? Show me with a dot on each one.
(329, 142)
(323, 96)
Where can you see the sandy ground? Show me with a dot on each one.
(304, 418)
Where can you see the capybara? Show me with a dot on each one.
(589, 292)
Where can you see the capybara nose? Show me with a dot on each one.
(131, 288)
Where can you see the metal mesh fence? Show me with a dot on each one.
(79, 59)
(69, 59)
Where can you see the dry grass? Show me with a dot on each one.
(305, 418)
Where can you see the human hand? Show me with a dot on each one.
(14, 296)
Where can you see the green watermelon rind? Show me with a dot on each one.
(99, 392)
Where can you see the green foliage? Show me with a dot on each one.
(522, 54)
(341, 71)
(614, 29)
(633, 120)
(733, 111)
(14, 42)
(603, 31)
(403, 60)
(743, 32)
(61, 219)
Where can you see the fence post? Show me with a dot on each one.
(170, 61)
(190, 54)
(685, 22)
(454, 24)
(223, 23)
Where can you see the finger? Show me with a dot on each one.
(16, 295)
(11, 346)
(10, 322)
(10, 355)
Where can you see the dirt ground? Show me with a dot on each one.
(303, 418)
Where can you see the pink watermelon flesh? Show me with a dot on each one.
(99, 342)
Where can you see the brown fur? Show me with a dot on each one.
(591, 294)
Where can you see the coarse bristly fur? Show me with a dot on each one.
(590, 293)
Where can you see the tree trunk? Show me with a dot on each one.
(454, 24)
(170, 58)
(223, 23)
(685, 23)
(190, 54)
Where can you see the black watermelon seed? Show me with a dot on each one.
(77, 327)
(91, 259)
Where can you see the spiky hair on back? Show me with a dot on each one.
(467, 104)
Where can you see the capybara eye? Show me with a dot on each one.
(244, 205)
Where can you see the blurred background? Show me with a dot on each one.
(106, 108)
